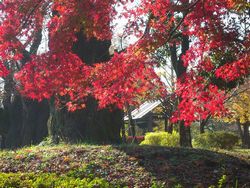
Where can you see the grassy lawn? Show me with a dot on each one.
(131, 166)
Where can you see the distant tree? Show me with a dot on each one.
(239, 112)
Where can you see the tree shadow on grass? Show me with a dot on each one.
(190, 167)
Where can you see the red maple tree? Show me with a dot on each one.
(219, 50)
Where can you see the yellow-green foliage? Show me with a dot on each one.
(48, 180)
(161, 139)
(218, 139)
(239, 107)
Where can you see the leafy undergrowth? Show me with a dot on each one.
(132, 166)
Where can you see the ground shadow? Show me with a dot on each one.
(190, 167)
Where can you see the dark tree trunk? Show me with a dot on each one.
(89, 124)
(240, 129)
(246, 137)
(244, 134)
(202, 127)
(54, 122)
(131, 124)
(165, 124)
(4, 125)
(185, 135)
(26, 121)
(1, 141)
(168, 108)
(13, 136)
(180, 70)
(34, 119)
(123, 134)
(203, 123)
(168, 126)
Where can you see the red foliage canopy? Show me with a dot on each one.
(220, 49)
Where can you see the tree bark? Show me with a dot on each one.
(26, 122)
(244, 134)
(131, 124)
(4, 125)
(203, 123)
(54, 122)
(35, 115)
(185, 135)
(165, 124)
(239, 129)
(246, 137)
(89, 124)
(202, 127)
(180, 69)
(25, 119)
(168, 126)
(123, 134)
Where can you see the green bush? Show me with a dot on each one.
(48, 180)
(218, 139)
(161, 139)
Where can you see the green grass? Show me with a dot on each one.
(131, 165)
(49, 180)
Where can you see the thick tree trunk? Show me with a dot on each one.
(35, 115)
(54, 122)
(4, 125)
(89, 124)
(26, 121)
(185, 135)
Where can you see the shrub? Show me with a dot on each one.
(48, 180)
(161, 139)
(219, 139)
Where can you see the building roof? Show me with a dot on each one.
(143, 109)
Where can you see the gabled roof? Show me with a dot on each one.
(143, 109)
